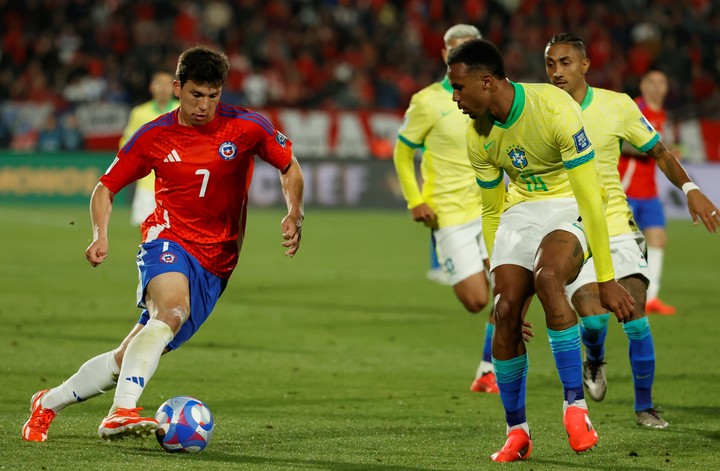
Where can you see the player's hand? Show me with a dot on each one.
(96, 253)
(424, 213)
(292, 233)
(528, 334)
(616, 299)
(702, 208)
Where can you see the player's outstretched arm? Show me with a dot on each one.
(292, 185)
(699, 205)
(100, 208)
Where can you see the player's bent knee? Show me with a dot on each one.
(508, 314)
(474, 304)
(473, 293)
(549, 281)
(174, 317)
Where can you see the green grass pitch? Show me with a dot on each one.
(343, 358)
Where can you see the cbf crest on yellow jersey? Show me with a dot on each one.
(607, 135)
(535, 152)
(434, 124)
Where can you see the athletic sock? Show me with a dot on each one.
(96, 376)
(655, 263)
(593, 330)
(486, 365)
(140, 362)
(565, 346)
(511, 375)
(642, 360)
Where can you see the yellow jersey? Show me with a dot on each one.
(434, 124)
(139, 115)
(611, 118)
(544, 151)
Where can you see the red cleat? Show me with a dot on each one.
(36, 428)
(485, 383)
(517, 447)
(126, 423)
(655, 306)
(581, 434)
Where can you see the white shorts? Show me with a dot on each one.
(523, 227)
(461, 250)
(627, 259)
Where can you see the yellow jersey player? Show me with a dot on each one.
(449, 201)
(163, 101)
(612, 118)
(538, 230)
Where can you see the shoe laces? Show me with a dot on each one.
(594, 368)
(42, 418)
(134, 411)
(655, 412)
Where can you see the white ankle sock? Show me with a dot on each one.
(140, 362)
(523, 426)
(96, 376)
(655, 263)
(576, 403)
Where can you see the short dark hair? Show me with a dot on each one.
(654, 68)
(571, 39)
(477, 55)
(203, 66)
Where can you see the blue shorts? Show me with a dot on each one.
(165, 256)
(648, 212)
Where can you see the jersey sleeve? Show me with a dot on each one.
(578, 159)
(129, 165)
(404, 160)
(492, 187)
(417, 123)
(637, 129)
(273, 147)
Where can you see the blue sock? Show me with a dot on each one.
(642, 360)
(487, 346)
(434, 263)
(593, 330)
(565, 346)
(511, 375)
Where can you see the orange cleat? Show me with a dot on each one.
(36, 428)
(517, 447)
(126, 423)
(655, 306)
(485, 383)
(581, 434)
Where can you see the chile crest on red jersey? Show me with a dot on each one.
(227, 150)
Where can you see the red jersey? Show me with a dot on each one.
(638, 172)
(202, 178)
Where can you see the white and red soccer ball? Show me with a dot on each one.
(185, 425)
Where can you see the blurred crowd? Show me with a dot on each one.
(343, 54)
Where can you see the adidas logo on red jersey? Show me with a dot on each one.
(173, 157)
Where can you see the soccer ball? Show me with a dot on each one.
(185, 425)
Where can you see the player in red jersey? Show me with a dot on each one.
(202, 154)
(637, 171)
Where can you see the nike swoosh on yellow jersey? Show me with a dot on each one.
(487, 146)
